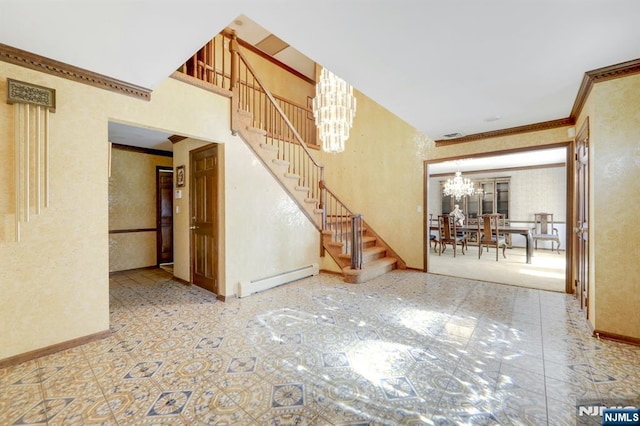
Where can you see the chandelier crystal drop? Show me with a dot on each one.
(458, 187)
(333, 109)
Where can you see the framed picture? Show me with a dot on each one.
(180, 176)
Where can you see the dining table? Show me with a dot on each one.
(507, 229)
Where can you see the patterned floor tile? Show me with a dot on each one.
(44, 411)
(213, 406)
(17, 400)
(406, 348)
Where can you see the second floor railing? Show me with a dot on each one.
(212, 64)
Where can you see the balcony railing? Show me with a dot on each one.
(212, 64)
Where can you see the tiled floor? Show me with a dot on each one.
(407, 348)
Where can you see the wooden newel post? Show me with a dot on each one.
(323, 199)
(356, 241)
(234, 79)
(235, 61)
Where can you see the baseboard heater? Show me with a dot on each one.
(246, 288)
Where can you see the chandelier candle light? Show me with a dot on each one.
(333, 109)
(458, 187)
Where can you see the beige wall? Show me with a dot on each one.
(132, 205)
(381, 172)
(380, 175)
(262, 230)
(613, 110)
(54, 283)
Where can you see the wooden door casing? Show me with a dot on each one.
(581, 231)
(204, 217)
(164, 215)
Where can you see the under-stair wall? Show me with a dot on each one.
(258, 119)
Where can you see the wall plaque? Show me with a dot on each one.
(27, 93)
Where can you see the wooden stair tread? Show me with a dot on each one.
(370, 270)
(292, 176)
(268, 147)
(257, 130)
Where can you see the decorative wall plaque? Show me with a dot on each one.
(27, 93)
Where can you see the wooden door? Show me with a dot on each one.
(164, 215)
(581, 231)
(204, 217)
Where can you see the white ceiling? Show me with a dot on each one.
(138, 136)
(442, 66)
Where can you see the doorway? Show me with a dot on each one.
(164, 215)
(518, 182)
(204, 217)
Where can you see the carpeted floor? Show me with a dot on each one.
(546, 271)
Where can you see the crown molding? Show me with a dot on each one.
(60, 69)
(611, 72)
(545, 125)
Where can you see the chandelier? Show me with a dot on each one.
(333, 109)
(458, 187)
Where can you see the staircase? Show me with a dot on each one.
(376, 257)
(258, 119)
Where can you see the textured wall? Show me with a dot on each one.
(380, 175)
(54, 283)
(132, 205)
(381, 172)
(263, 232)
(613, 110)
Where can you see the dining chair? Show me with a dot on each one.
(432, 237)
(489, 234)
(448, 231)
(544, 230)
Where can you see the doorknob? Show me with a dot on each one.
(193, 227)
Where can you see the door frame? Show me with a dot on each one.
(569, 170)
(582, 291)
(162, 169)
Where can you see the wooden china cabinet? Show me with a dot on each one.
(492, 196)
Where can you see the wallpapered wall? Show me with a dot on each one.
(132, 205)
(613, 112)
(69, 242)
(380, 174)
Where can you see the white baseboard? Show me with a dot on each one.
(246, 288)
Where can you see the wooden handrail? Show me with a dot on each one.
(276, 105)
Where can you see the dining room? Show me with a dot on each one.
(515, 188)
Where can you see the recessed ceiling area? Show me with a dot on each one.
(139, 137)
(256, 35)
(502, 161)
